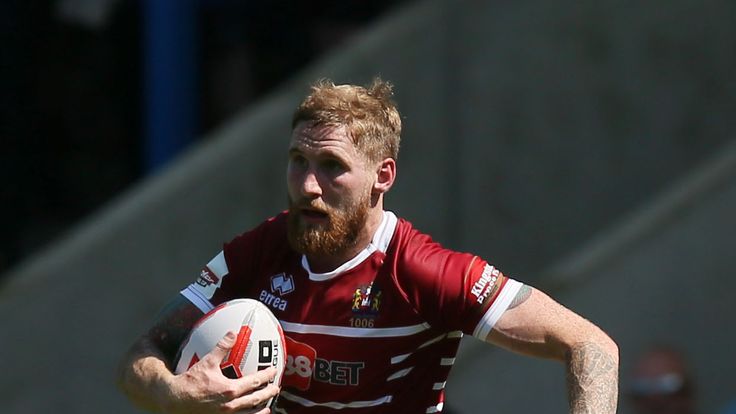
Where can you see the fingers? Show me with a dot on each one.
(249, 393)
(256, 411)
(255, 381)
(251, 402)
(223, 346)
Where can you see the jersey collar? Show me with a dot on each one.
(381, 239)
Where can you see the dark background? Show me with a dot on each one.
(72, 107)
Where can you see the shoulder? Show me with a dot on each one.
(269, 236)
(416, 254)
(411, 245)
(408, 237)
(271, 230)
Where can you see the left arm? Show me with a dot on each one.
(537, 325)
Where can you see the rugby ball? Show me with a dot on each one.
(259, 344)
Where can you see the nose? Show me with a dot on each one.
(310, 185)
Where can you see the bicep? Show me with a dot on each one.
(172, 325)
(539, 326)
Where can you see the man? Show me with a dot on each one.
(373, 310)
(661, 383)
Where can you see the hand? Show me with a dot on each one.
(204, 389)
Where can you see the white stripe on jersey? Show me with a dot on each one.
(493, 314)
(449, 335)
(447, 361)
(432, 341)
(399, 374)
(399, 358)
(353, 332)
(333, 404)
(439, 386)
(192, 293)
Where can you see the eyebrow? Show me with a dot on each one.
(319, 153)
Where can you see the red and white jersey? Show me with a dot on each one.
(377, 334)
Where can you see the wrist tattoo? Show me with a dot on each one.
(592, 379)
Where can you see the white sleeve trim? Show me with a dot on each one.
(197, 299)
(493, 314)
(218, 265)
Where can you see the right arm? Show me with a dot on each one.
(146, 377)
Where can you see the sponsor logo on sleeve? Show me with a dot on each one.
(488, 284)
(208, 282)
(207, 278)
(211, 276)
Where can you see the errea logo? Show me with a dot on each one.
(281, 284)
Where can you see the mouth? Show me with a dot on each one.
(313, 215)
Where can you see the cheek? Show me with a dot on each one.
(335, 193)
(350, 196)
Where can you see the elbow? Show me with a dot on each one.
(598, 343)
(612, 346)
(591, 340)
(127, 376)
(609, 344)
(605, 343)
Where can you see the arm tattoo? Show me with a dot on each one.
(521, 296)
(592, 380)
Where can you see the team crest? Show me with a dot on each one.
(367, 300)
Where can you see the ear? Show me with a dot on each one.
(385, 176)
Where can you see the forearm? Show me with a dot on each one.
(592, 377)
(541, 327)
(144, 377)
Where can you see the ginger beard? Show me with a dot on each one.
(339, 233)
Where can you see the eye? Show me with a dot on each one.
(297, 160)
(333, 166)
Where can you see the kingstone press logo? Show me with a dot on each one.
(487, 284)
(281, 284)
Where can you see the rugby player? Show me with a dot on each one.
(372, 308)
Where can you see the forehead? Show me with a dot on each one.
(310, 137)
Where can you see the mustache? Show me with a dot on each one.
(307, 204)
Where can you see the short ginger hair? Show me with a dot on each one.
(369, 114)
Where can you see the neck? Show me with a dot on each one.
(327, 263)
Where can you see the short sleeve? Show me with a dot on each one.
(227, 275)
(452, 290)
(208, 283)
